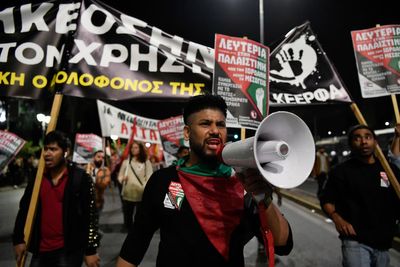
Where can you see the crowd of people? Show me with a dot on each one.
(205, 211)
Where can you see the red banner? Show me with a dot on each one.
(171, 132)
(377, 52)
(10, 145)
(241, 78)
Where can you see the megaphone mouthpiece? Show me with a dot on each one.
(268, 151)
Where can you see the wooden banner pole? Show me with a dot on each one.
(55, 109)
(378, 153)
(395, 108)
(107, 162)
(242, 133)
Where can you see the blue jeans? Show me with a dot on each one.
(356, 254)
(57, 258)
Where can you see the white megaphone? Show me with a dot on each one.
(282, 150)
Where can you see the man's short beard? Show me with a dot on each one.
(199, 151)
(98, 163)
(360, 154)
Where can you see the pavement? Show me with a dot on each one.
(10, 187)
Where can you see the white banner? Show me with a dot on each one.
(115, 121)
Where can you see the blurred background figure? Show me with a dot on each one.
(115, 165)
(133, 175)
(155, 163)
(101, 177)
(31, 167)
(16, 172)
(97, 162)
(394, 151)
(182, 152)
(321, 168)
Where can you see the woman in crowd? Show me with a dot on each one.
(133, 175)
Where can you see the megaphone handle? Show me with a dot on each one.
(267, 235)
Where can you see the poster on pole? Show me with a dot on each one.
(301, 72)
(241, 78)
(377, 52)
(171, 132)
(85, 146)
(10, 145)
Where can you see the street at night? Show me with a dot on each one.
(315, 239)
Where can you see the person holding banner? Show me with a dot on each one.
(64, 231)
(362, 203)
(200, 206)
(133, 175)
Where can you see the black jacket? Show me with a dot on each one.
(79, 215)
(182, 239)
(362, 198)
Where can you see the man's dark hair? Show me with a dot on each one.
(181, 148)
(200, 102)
(58, 137)
(142, 157)
(97, 151)
(352, 129)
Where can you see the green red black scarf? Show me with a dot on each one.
(216, 198)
